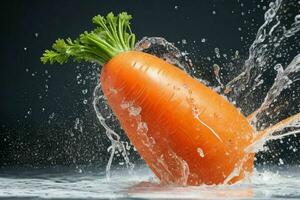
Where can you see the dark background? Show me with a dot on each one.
(39, 103)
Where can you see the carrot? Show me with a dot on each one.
(186, 133)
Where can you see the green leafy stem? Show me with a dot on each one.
(111, 37)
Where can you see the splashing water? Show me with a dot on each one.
(265, 62)
(101, 107)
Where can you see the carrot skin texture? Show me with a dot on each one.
(185, 132)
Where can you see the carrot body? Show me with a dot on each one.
(186, 132)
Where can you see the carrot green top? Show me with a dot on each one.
(111, 37)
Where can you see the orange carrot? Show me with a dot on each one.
(180, 122)
(185, 132)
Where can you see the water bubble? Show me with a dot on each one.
(203, 40)
(25, 48)
(27, 70)
(84, 101)
(297, 18)
(36, 35)
(214, 12)
(176, 7)
(183, 41)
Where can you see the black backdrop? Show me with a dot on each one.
(39, 104)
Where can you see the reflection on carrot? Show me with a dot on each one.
(186, 132)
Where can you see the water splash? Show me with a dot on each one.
(267, 48)
(165, 50)
(101, 108)
(284, 79)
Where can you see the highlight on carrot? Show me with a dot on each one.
(186, 133)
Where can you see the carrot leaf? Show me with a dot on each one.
(111, 37)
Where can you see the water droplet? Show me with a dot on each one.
(25, 48)
(183, 41)
(217, 51)
(200, 152)
(36, 35)
(281, 161)
(214, 12)
(77, 122)
(134, 111)
(176, 7)
(84, 91)
(203, 40)
(142, 127)
(51, 116)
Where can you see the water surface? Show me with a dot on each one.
(70, 183)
